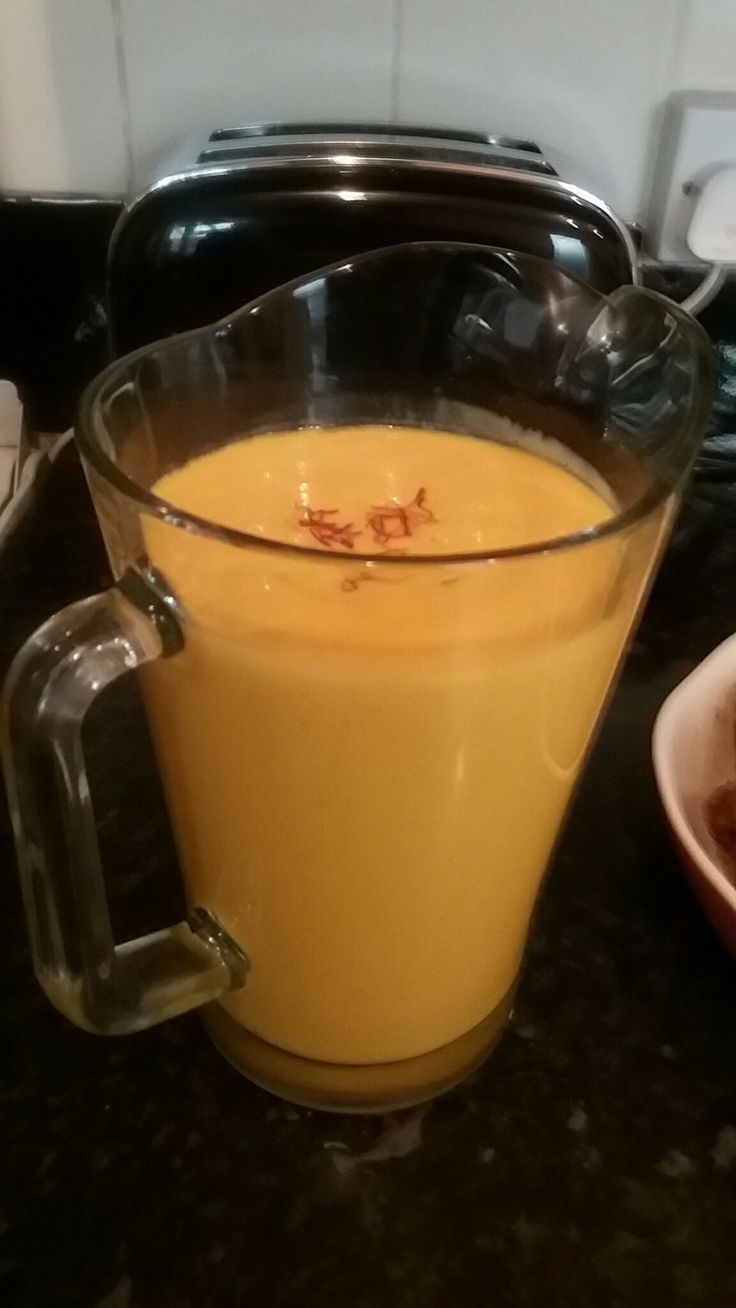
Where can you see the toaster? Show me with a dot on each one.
(247, 208)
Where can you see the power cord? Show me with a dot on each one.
(706, 290)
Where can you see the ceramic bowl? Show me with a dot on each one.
(694, 750)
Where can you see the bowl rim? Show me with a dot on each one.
(705, 682)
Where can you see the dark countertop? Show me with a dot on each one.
(591, 1162)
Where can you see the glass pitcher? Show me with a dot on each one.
(367, 751)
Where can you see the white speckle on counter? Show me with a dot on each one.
(399, 1138)
(527, 1031)
(723, 1152)
(487, 1155)
(676, 1165)
(578, 1119)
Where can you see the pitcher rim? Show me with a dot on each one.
(162, 510)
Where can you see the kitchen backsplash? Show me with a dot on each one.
(94, 93)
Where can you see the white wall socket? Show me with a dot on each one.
(698, 137)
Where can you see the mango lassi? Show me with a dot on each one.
(367, 759)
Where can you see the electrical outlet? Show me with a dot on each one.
(698, 137)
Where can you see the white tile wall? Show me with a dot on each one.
(579, 76)
(93, 93)
(193, 65)
(706, 57)
(61, 112)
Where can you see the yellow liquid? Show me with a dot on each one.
(367, 764)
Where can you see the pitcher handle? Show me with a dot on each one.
(102, 986)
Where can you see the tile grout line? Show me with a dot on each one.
(122, 69)
(395, 70)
